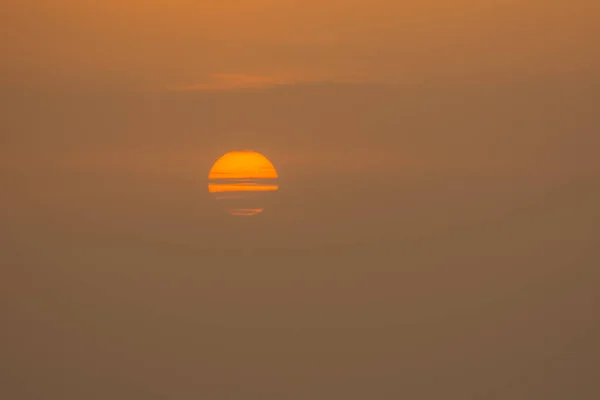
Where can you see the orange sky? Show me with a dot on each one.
(157, 44)
(435, 235)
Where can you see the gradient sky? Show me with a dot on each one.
(341, 96)
(158, 44)
(434, 235)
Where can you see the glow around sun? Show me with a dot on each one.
(242, 181)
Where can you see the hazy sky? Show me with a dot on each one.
(157, 44)
(371, 93)
(435, 234)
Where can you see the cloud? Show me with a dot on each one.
(233, 82)
(243, 82)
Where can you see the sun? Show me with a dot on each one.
(245, 164)
(241, 181)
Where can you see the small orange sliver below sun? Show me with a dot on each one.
(240, 180)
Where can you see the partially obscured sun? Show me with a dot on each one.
(241, 182)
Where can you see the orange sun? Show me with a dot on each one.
(240, 179)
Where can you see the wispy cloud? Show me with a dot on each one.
(243, 82)
(233, 82)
